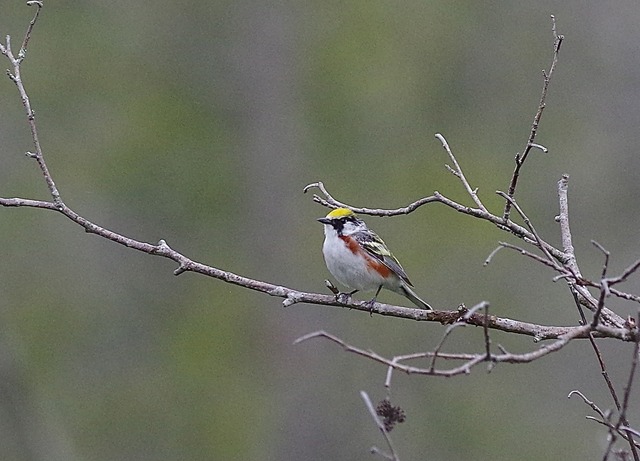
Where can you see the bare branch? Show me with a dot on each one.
(605, 373)
(27, 35)
(457, 171)
(582, 295)
(17, 79)
(546, 261)
(623, 295)
(605, 284)
(623, 422)
(623, 431)
(494, 252)
(461, 322)
(606, 254)
(615, 280)
(538, 240)
(605, 419)
(18, 202)
(380, 425)
(593, 406)
(622, 408)
(625, 274)
(470, 360)
(629, 385)
(565, 229)
(331, 202)
(485, 330)
(520, 159)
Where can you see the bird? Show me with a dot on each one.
(360, 260)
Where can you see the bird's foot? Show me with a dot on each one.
(369, 305)
(343, 298)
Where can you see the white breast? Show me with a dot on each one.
(348, 268)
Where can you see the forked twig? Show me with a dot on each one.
(459, 323)
(621, 427)
(457, 172)
(521, 158)
(538, 240)
(470, 360)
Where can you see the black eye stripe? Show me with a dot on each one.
(339, 223)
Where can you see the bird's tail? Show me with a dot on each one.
(415, 299)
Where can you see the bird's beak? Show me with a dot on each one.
(324, 220)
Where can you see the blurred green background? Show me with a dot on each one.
(201, 122)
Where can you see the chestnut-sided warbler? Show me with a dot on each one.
(360, 260)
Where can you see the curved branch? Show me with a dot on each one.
(470, 360)
(331, 202)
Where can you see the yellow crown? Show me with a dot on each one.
(340, 213)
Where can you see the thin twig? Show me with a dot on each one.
(446, 334)
(470, 360)
(625, 274)
(629, 385)
(459, 323)
(623, 295)
(331, 202)
(622, 426)
(392, 455)
(605, 419)
(622, 420)
(27, 35)
(539, 242)
(605, 373)
(604, 294)
(457, 171)
(593, 406)
(605, 287)
(622, 431)
(545, 261)
(493, 253)
(605, 252)
(521, 158)
(485, 330)
(16, 78)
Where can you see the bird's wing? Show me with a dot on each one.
(376, 247)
